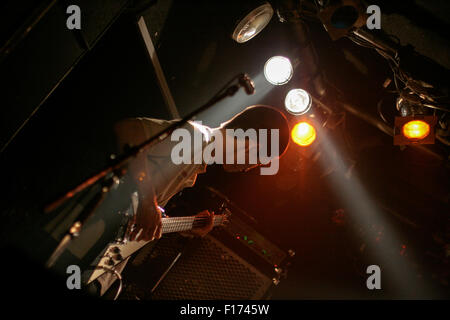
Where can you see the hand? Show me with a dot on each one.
(147, 219)
(203, 231)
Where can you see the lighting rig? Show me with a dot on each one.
(422, 109)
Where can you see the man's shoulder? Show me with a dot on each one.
(153, 126)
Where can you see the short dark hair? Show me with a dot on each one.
(262, 117)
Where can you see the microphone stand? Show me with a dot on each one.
(112, 173)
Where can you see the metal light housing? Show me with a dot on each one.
(253, 23)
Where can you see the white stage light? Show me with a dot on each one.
(278, 70)
(298, 101)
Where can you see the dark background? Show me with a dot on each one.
(69, 136)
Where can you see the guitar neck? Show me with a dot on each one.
(169, 224)
(176, 224)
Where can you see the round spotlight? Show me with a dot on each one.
(303, 134)
(297, 102)
(278, 70)
(253, 23)
(416, 129)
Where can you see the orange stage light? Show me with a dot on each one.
(303, 134)
(416, 129)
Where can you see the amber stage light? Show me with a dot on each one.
(303, 134)
(416, 129)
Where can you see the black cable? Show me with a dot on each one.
(399, 75)
(380, 112)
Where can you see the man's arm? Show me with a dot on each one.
(148, 217)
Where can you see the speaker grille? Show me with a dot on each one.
(212, 271)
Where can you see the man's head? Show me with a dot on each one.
(246, 132)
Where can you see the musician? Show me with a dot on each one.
(158, 179)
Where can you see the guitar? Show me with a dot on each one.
(120, 249)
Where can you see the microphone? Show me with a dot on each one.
(247, 83)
